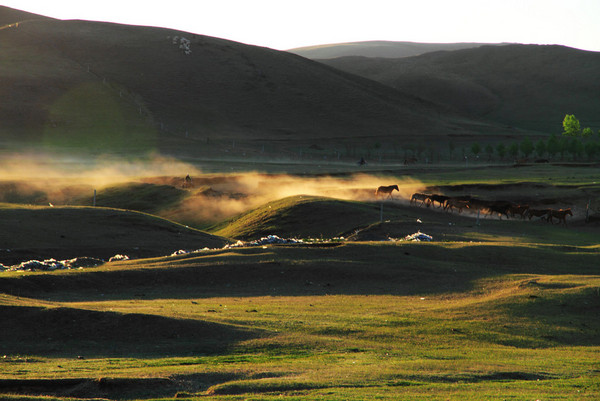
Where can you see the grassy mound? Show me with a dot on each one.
(299, 216)
(34, 232)
(143, 197)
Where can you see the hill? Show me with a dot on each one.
(10, 16)
(36, 232)
(110, 87)
(528, 86)
(377, 48)
(299, 216)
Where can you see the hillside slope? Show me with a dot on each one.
(97, 85)
(299, 216)
(377, 48)
(67, 232)
(527, 86)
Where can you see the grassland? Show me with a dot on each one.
(491, 309)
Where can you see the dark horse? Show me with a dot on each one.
(560, 214)
(386, 191)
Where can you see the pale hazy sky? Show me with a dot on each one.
(285, 24)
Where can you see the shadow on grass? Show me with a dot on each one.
(118, 388)
(571, 318)
(70, 333)
(351, 269)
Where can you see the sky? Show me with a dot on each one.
(287, 24)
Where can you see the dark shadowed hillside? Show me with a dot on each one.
(99, 85)
(527, 86)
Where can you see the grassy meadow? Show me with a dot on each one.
(102, 125)
(490, 309)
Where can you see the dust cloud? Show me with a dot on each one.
(217, 197)
(39, 179)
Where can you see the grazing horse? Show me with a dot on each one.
(424, 198)
(560, 214)
(386, 191)
(538, 213)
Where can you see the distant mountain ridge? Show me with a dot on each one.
(527, 86)
(378, 48)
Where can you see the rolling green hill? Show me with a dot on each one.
(526, 86)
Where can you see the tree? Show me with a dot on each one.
(475, 148)
(540, 148)
(513, 149)
(571, 126)
(563, 146)
(526, 147)
(451, 147)
(489, 149)
(591, 149)
(553, 145)
(501, 150)
(576, 148)
(587, 132)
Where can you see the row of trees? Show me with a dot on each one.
(574, 142)
(553, 147)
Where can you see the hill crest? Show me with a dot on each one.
(379, 48)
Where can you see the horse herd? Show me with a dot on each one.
(497, 207)
(491, 207)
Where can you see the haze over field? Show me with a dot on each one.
(37, 179)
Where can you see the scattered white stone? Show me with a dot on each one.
(118, 257)
(180, 252)
(418, 236)
(184, 44)
(84, 261)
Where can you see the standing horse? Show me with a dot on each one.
(386, 191)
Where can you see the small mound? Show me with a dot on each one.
(142, 197)
(300, 217)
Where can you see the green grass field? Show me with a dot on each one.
(503, 309)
